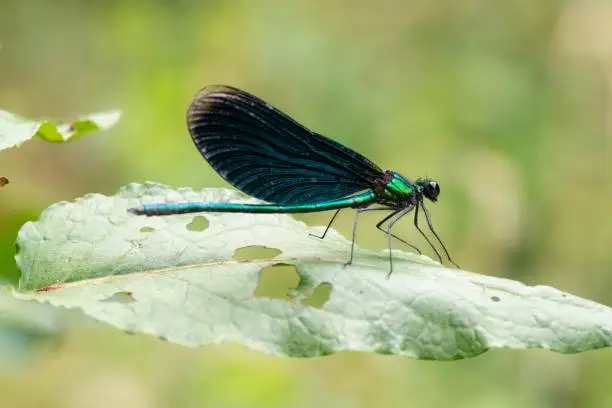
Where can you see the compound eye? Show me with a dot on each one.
(436, 187)
(432, 189)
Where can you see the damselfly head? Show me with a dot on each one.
(430, 188)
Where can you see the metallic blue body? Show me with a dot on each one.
(355, 201)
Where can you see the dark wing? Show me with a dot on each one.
(266, 154)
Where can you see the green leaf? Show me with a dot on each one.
(176, 277)
(14, 130)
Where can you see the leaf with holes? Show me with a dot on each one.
(192, 280)
(14, 130)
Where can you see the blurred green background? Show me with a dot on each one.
(507, 104)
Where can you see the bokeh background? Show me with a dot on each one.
(507, 104)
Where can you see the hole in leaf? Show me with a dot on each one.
(495, 298)
(276, 280)
(253, 252)
(120, 297)
(147, 229)
(320, 295)
(198, 224)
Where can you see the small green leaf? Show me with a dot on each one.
(14, 130)
(192, 286)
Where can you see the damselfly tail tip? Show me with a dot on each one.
(136, 210)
